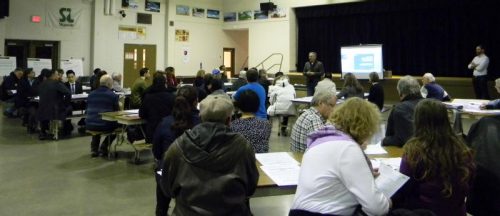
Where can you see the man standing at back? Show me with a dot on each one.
(210, 170)
(253, 84)
(480, 80)
(313, 70)
(138, 88)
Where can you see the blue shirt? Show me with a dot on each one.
(261, 93)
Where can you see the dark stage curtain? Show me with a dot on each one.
(418, 36)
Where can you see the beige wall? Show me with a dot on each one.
(2, 36)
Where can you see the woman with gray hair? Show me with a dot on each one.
(400, 122)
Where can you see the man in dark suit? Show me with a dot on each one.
(74, 86)
(53, 105)
(313, 70)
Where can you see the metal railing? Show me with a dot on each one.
(261, 64)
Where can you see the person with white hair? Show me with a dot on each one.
(101, 100)
(241, 81)
(400, 122)
(210, 170)
(117, 82)
(495, 104)
(312, 119)
(431, 89)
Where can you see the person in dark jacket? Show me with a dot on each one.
(484, 139)
(73, 85)
(400, 122)
(24, 92)
(313, 71)
(352, 88)
(94, 79)
(210, 170)
(198, 80)
(54, 102)
(11, 83)
(431, 89)
(376, 95)
(439, 164)
(101, 100)
(494, 104)
(184, 116)
(157, 103)
(241, 81)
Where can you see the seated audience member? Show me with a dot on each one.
(280, 96)
(494, 104)
(312, 119)
(138, 88)
(216, 88)
(241, 81)
(376, 95)
(431, 89)
(335, 174)
(264, 82)
(256, 131)
(93, 79)
(61, 75)
(101, 100)
(198, 80)
(352, 88)
(203, 90)
(74, 86)
(484, 139)
(117, 82)
(98, 76)
(9, 84)
(400, 122)
(253, 78)
(24, 92)
(172, 81)
(210, 170)
(223, 76)
(438, 162)
(33, 106)
(326, 84)
(184, 116)
(157, 104)
(53, 105)
(277, 75)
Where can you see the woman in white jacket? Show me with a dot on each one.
(280, 96)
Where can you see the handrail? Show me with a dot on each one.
(273, 65)
(244, 63)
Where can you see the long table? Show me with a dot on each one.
(267, 187)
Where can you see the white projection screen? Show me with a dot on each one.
(361, 60)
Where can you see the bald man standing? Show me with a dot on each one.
(313, 70)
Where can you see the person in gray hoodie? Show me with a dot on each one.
(210, 170)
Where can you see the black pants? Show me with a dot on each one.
(311, 85)
(162, 201)
(480, 84)
(94, 145)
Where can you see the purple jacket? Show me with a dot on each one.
(426, 194)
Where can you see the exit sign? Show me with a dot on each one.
(36, 19)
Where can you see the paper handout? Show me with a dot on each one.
(389, 181)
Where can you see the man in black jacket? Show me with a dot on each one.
(400, 122)
(11, 83)
(313, 70)
(210, 170)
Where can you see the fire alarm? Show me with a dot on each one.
(36, 19)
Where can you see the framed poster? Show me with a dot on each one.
(199, 12)
(213, 14)
(230, 17)
(153, 5)
(245, 15)
(182, 10)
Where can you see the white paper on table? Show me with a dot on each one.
(283, 175)
(394, 163)
(276, 158)
(389, 181)
(375, 149)
(132, 111)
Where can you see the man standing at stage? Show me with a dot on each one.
(480, 80)
(313, 70)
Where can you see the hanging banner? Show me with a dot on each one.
(63, 14)
(7, 65)
(39, 64)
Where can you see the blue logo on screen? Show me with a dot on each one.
(364, 62)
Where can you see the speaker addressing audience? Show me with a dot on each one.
(256, 131)
(352, 88)
(431, 89)
(376, 94)
(138, 88)
(400, 122)
(439, 164)
(103, 99)
(495, 104)
(253, 84)
(479, 65)
(335, 174)
(312, 119)
(313, 70)
(184, 116)
(210, 170)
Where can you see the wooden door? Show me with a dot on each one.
(229, 61)
(136, 57)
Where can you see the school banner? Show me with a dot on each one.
(64, 14)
